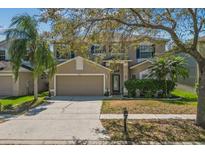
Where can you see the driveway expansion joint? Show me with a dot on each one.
(63, 109)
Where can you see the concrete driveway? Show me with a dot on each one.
(62, 119)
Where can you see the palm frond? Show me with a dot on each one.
(169, 66)
(44, 60)
(17, 51)
(22, 25)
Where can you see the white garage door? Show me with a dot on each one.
(79, 85)
(6, 85)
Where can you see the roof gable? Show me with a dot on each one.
(89, 61)
(5, 66)
(141, 63)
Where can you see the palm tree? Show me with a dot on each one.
(26, 43)
(177, 68)
(168, 67)
(159, 69)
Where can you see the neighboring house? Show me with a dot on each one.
(192, 65)
(24, 84)
(82, 77)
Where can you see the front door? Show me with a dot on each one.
(116, 84)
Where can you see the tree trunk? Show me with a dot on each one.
(36, 88)
(200, 120)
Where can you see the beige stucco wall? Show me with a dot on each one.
(25, 83)
(132, 54)
(159, 48)
(42, 84)
(139, 69)
(14, 83)
(18, 86)
(88, 68)
(6, 86)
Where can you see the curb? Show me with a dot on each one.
(89, 142)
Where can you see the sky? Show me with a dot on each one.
(7, 14)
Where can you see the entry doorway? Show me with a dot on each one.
(116, 84)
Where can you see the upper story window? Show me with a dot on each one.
(2, 54)
(145, 51)
(68, 55)
(71, 55)
(96, 49)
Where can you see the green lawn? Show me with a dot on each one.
(16, 100)
(21, 99)
(187, 96)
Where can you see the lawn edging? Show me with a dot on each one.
(142, 98)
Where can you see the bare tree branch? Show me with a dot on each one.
(195, 26)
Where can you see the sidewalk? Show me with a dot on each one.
(150, 116)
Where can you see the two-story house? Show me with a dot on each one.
(24, 84)
(80, 76)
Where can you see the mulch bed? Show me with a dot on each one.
(155, 131)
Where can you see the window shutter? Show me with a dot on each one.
(153, 53)
(72, 54)
(137, 53)
(92, 49)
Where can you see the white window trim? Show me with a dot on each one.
(104, 89)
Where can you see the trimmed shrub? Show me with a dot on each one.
(8, 107)
(149, 87)
(131, 86)
(166, 86)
